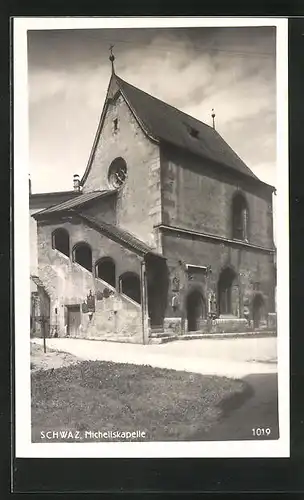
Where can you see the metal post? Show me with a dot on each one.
(56, 325)
(44, 333)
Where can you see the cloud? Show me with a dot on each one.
(194, 71)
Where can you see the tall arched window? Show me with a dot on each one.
(105, 270)
(129, 284)
(82, 254)
(61, 241)
(239, 218)
(225, 287)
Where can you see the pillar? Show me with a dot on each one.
(144, 302)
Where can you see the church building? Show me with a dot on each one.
(167, 234)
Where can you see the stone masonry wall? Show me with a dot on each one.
(69, 284)
(103, 209)
(255, 269)
(197, 195)
(138, 206)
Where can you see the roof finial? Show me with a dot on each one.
(213, 118)
(112, 57)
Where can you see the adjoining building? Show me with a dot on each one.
(40, 301)
(168, 231)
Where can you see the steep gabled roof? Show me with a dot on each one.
(169, 124)
(166, 124)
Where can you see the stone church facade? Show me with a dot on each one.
(169, 232)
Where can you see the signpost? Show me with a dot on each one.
(43, 320)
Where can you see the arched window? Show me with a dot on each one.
(105, 270)
(82, 254)
(117, 173)
(61, 241)
(226, 283)
(129, 284)
(239, 218)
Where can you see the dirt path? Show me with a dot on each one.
(50, 359)
(220, 358)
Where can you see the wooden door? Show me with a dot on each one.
(74, 320)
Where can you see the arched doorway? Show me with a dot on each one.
(105, 270)
(129, 284)
(257, 310)
(227, 292)
(157, 288)
(82, 254)
(195, 310)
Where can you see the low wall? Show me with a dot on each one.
(176, 326)
(116, 318)
(229, 325)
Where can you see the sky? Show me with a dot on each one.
(194, 69)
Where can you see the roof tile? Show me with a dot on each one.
(119, 234)
(166, 123)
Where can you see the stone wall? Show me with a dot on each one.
(102, 209)
(254, 268)
(68, 283)
(117, 318)
(38, 202)
(138, 206)
(198, 195)
(33, 243)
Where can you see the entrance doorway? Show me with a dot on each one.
(129, 284)
(195, 310)
(73, 320)
(227, 292)
(157, 286)
(257, 310)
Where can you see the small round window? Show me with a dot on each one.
(117, 173)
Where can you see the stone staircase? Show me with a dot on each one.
(159, 336)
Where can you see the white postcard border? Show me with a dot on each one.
(24, 447)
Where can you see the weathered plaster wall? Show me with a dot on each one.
(138, 206)
(103, 209)
(38, 202)
(255, 269)
(33, 243)
(69, 284)
(197, 195)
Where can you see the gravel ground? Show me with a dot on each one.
(50, 359)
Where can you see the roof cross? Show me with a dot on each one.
(112, 57)
(213, 118)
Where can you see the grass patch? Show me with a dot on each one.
(104, 396)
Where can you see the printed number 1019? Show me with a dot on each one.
(261, 431)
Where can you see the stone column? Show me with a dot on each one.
(144, 302)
